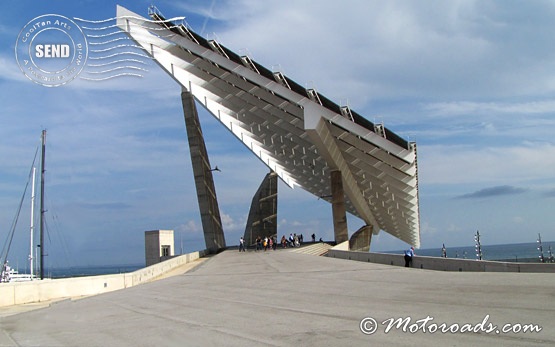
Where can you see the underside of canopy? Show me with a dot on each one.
(296, 132)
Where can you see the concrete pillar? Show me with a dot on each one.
(204, 181)
(262, 219)
(360, 240)
(338, 208)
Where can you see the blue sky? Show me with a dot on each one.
(472, 82)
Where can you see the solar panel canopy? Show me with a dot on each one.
(297, 132)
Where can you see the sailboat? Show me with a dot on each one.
(8, 274)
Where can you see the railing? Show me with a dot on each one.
(443, 264)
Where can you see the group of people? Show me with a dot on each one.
(266, 243)
(260, 244)
(294, 240)
(6, 272)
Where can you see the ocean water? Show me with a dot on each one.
(80, 271)
(516, 252)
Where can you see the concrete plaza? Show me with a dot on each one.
(282, 298)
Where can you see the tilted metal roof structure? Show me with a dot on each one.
(296, 132)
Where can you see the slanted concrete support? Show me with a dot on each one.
(360, 240)
(338, 208)
(262, 220)
(317, 129)
(206, 192)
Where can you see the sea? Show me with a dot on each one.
(515, 252)
(79, 271)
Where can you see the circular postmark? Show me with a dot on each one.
(51, 50)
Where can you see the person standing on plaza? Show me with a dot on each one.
(409, 253)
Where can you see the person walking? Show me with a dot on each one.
(409, 253)
(242, 244)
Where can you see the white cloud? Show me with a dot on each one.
(511, 164)
(373, 49)
(479, 109)
(427, 229)
(9, 70)
(190, 227)
(229, 224)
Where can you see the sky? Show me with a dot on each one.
(472, 82)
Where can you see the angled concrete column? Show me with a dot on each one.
(338, 208)
(360, 240)
(262, 220)
(206, 192)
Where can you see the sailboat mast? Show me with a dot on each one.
(31, 247)
(43, 170)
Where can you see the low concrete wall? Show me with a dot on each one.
(36, 291)
(442, 264)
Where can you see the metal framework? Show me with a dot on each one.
(296, 132)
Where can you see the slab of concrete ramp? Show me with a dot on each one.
(280, 298)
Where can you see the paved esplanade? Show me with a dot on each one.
(282, 298)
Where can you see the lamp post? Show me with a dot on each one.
(478, 245)
(540, 248)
